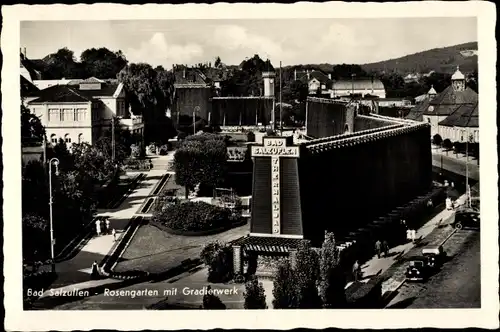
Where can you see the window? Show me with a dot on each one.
(61, 115)
(429, 120)
(53, 114)
(53, 139)
(346, 128)
(67, 138)
(80, 138)
(75, 115)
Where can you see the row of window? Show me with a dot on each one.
(67, 138)
(67, 114)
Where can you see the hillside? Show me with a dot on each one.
(443, 60)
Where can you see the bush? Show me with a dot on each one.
(437, 139)
(194, 216)
(456, 146)
(163, 150)
(211, 301)
(181, 135)
(218, 257)
(138, 151)
(250, 136)
(255, 297)
(284, 287)
(137, 164)
(447, 144)
(307, 272)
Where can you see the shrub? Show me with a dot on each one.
(211, 301)
(307, 272)
(163, 150)
(284, 290)
(218, 257)
(181, 135)
(447, 144)
(332, 279)
(138, 151)
(193, 216)
(250, 136)
(254, 294)
(137, 164)
(456, 146)
(437, 139)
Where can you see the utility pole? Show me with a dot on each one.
(194, 123)
(55, 162)
(281, 103)
(113, 138)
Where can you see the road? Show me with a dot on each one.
(457, 285)
(456, 165)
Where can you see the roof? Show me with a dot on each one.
(190, 76)
(34, 67)
(267, 244)
(449, 96)
(465, 115)
(60, 94)
(458, 75)
(432, 91)
(28, 89)
(216, 74)
(359, 84)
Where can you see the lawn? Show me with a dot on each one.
(154, 250)
(171, 185)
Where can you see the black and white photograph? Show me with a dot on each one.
(250, 163)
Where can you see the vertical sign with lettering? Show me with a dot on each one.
(275, 148)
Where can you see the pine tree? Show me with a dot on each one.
(255, 297)
(307, 272)
(284, 290)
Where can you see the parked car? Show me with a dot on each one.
(467, 217)
(435, 256)
(418, 270)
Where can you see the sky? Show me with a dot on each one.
(292, 41)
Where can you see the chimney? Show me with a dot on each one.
(184, 73)
(295, 75)
(24, 52)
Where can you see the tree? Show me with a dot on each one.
(36, 243)
(254, 294)
(437, 139)
(284, 287)
(332, 279)
(95, 163)
(201, 159)
(211, 301)
(32, 130)
(345, 71)
(62, 64)
(307, 271)
(102, 63)
(150, 93)
(218, 62)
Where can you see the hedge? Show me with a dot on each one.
(193, 216)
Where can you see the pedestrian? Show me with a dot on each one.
(98, 227)
(413, 235)
(429, 203)
(378, 248)
(113, 232)
(408, 235)
(95, 270)
(107, 225)
(385, 245)
(355, 271)
(449, 204)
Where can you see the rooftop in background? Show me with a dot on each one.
(465, 115)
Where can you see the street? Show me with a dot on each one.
(456, 165)
(456, 285)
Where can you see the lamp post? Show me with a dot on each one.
(55, 162)
(113, 138)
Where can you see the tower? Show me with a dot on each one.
(458, 80)
(268, 78)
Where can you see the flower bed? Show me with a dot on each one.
(193, 218)
(137, 165)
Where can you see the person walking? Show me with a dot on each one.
(413, 235)
(408, 235)
(113, 232)
(355, 271)
(95, 270)
(385, 246)
(378, 248)
(98, 227)
(107, 226)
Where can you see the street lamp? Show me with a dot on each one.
(55, 162)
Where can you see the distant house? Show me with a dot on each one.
(453, 113)
(394, 102)
(31, 69)
(411, 78)
(358, 86)
(316, 80)
(82, 110)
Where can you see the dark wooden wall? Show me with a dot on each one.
(328, 119)
(186, 100)
(247, 107)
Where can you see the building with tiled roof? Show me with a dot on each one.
(316, 80)
(82, 110)
(447, 110)
(359, 86)
(29, 91)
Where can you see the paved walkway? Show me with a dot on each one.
(77, 269)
